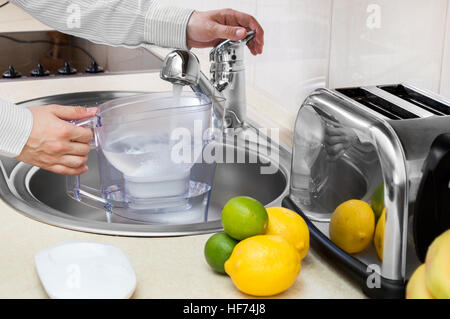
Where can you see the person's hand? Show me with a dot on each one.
(338, 140)
(209, 28)
(55, 144)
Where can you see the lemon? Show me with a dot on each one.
(377, 202)
(243, 217)
(291, 226)
(218, 249)
(378, 239)
(263, 265)
(352, 226)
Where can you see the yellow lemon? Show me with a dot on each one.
(289, 225)
(378, 239)
(263, 265)
(352, 226)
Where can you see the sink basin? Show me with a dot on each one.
(41, 195)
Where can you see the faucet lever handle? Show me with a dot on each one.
(250, 35)
(221, 53)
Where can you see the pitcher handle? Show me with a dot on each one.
(79, 192)
(90, 123)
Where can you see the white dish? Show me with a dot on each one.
(85, 270)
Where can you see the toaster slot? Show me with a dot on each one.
(418, 99)
(377, 104)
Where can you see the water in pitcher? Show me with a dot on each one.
(143, 157)
(147, 161)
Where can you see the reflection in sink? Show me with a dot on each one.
(230, 180)
(41, 195)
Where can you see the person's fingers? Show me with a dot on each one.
(253, 47)
(249, 22)
(78, 149)
(334, 131)
(64, 170)
(73, 113)
(81, 134)
(335, 157)
(75, 133)
(331, 140)
(228, 32)
(335, 149)
(73, 161)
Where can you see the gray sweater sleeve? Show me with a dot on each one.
(16, 123)
(114, 22)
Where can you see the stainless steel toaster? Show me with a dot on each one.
(348, 142)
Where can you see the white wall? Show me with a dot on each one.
(396, 41)
(445, 72)
(338, 43)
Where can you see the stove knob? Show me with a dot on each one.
(67, 69)
(40, 71)
(94, 68)
(11, 73)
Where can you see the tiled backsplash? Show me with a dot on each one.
(337, 43)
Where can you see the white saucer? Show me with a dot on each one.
(85, 270)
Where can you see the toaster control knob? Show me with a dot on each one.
(11, 73)
(94, 68)
(67, 69)
(40, 71)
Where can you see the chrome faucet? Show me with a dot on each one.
(182, 68)
(227, 78)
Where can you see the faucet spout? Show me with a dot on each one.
(181, 67)
(227, 85)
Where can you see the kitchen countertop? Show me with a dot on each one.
(165, 267)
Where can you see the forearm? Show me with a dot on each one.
(16, 123)
(114, 22)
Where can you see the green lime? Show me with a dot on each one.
(377, 202)
(218, 249)
(244, 217)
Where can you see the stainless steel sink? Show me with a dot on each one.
(41, 195)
